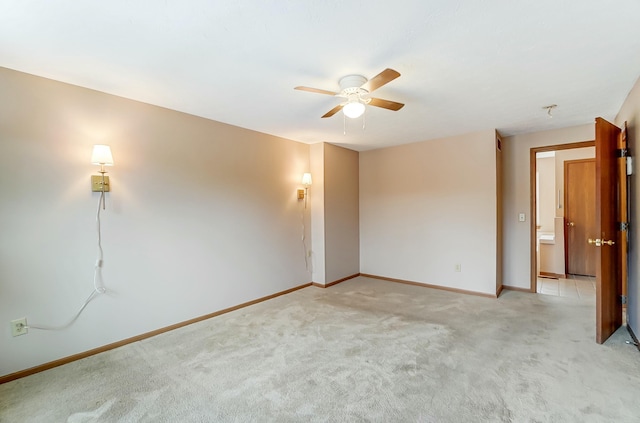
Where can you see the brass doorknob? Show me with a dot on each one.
(571, 224)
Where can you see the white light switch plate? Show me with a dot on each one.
(521, 217)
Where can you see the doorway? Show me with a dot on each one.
(548, 224)
(610, 239)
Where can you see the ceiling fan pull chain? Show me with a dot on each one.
(364, 119)
(344, 124)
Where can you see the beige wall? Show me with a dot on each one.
(316, 197)
(516, 195)
(341, 205)
(546, 168)
(335, 213)
(547, 197)
(202, 216)
(630, 112)
(428, 206)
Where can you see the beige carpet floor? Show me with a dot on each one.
(361, 351)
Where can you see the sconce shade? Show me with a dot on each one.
(353, 109)
(102, 155)
(306, 179)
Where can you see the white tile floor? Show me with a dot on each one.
(574, 286)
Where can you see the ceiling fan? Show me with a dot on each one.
(356, 89)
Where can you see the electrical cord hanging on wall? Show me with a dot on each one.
(98, 285)
(304, 241)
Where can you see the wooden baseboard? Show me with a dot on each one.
(552, 275)
(499, 290)
(319, 285)
(517, 288)
(426, 285)
(71, 358)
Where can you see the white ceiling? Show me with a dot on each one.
(466, 65)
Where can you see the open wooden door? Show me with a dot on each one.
(607, 240)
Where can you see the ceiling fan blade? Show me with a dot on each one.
(386, 104)
(333, 111)
(315, 90)
(380, 79)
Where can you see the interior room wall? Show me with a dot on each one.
(630, 112)
(546, 168)
(202, 216)
(546, 220)
(316, 198)
(428, 206)
(341, 204)
(517, 196)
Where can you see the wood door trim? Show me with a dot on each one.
(532, 201)
(553, 275)
(499, 216)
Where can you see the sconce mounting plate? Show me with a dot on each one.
(96, 183)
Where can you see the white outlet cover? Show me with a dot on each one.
(19, 327)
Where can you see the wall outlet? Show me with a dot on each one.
(458, 268)
(19, 327)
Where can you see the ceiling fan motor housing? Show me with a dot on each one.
(350, 86)
(352, 83)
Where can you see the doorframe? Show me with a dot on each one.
(532, 201)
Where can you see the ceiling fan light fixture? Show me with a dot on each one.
(356, 90)
(353, 109)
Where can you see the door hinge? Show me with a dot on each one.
(623, 298)
(622, 152)
(623, 226)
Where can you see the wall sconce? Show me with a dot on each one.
(304, 193)
(101, 156)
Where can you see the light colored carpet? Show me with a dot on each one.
(363, 350)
